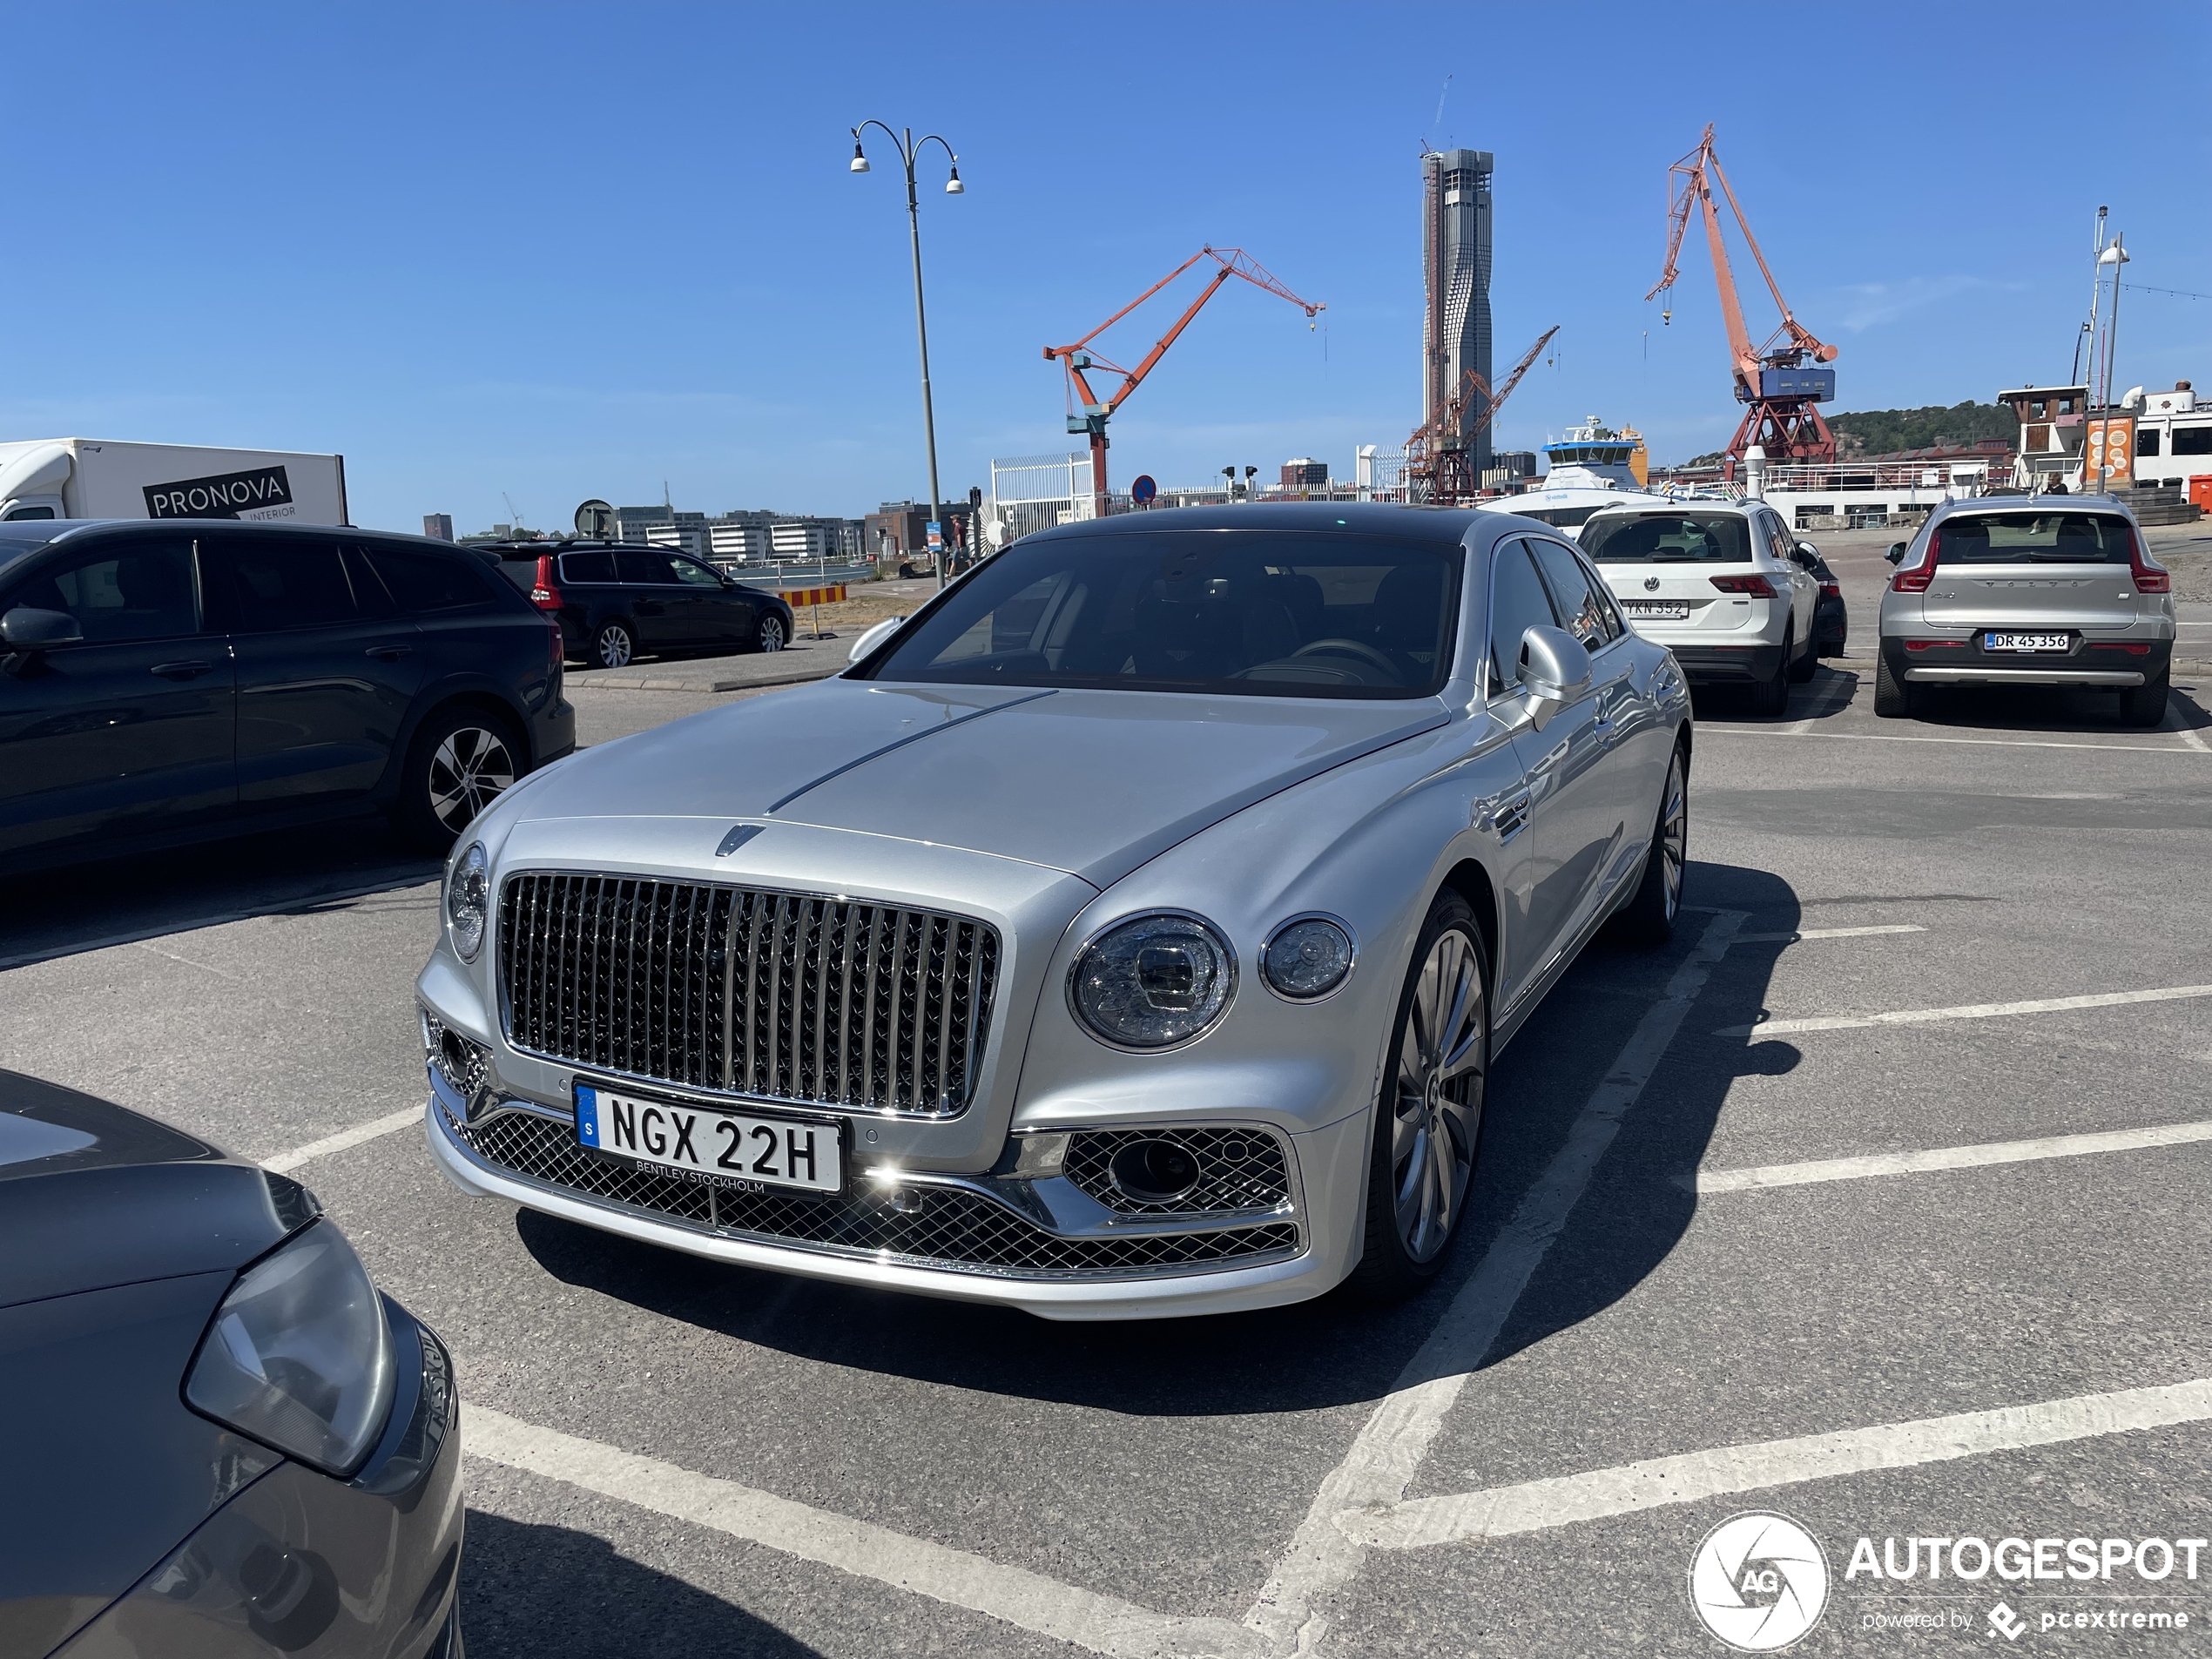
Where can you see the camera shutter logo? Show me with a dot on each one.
(1759, 1583)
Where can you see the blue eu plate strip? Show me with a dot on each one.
(587, 1116)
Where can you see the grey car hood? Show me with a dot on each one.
(1093, 783)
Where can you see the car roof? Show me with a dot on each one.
(1374, 518)
(1687, 504)
(2043, 503)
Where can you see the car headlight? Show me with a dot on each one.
(1307, 957)
(468, 899)
(299, 1356)
(1153, 981)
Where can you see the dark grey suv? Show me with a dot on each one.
(179, 679)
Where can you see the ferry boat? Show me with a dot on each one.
(1592, 467)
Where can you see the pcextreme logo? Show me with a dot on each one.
(1758, 1581)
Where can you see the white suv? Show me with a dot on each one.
(1723, 584)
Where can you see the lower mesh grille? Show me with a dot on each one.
(1238, 1168)
(953, 1228)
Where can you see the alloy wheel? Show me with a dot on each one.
(614, 646)
(771, 633)
(470, 769)
(1438, 1091)
(1674, 835)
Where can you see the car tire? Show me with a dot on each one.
(1427, 1101)
(462, 760)
(2145, 706)
(1893, 698)
(1802, 669)
(1648, 918)
(614, 645)
(1771, 696)
(771, 633)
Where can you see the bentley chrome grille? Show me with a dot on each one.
(776, 996)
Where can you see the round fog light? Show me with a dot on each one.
(1155, 1172)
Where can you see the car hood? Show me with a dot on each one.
(93, 1195)
(1092, 783)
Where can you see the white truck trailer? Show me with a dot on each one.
(78, 478)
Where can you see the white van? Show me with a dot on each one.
(80, 478)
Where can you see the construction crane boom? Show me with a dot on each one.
(1782, 418)
(1077, 357)
(1437, 454)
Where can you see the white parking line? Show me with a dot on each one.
(1823, 701)
(1704, 726)
(1949, 1157)
(391, 1123)
(1294, 1608)
(1969, 1011)
(1827, 932)
(1536, 1505)
(1027, 1601)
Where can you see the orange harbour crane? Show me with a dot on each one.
(1780, 383)
(1086, 413)
(1439, 455)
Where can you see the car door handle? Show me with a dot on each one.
(182, 670)
(389, 653)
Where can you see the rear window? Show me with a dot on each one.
(2034, 538)
(1250, 613)
(429, 581)
(587, 567)
(1669, 538)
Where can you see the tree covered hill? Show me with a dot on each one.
(1880, 432)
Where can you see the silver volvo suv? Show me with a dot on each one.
(2043, 591)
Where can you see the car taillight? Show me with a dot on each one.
(1757, 586)
(2148, 577)
(2130, 647)
(1932, 644)
(557, 647)
(1915, 578)
(544, 594)
(1832, 590)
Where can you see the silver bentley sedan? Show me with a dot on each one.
(1127, 933)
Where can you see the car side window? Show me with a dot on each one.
(425, 581)
(693, 574)
(1518, 602)
(587, 567)
(645, 568)
(1585, 615)
(119, 595)
(277, 585)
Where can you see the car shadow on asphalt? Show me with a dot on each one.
(540, 1592)
(2048, 710)
(57, 912)
(1335, 1350)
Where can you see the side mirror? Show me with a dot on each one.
(1555, 671)
(27, 628)
(874, 637)
(1896, 554)
(1807, 552)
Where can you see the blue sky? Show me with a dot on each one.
(567, 251)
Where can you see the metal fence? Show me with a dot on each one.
(1030, 492)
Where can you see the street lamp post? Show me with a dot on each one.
(909, 150)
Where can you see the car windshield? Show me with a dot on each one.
(1253, 613)
(2034, 538)
(1669, 538)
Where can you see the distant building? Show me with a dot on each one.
(438, 526)
(1303, 472)
(695, 539)
(743, 542)
(1456, 251)
(632, 523)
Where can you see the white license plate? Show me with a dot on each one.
(2026, 642)
(717, 1148)
(1661, 611)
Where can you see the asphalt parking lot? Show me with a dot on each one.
(1879, 1199)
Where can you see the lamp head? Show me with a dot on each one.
(953, 185)
(860, 161)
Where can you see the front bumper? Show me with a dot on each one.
(1040, 1246)
(2095, 664)
(299, 1563)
